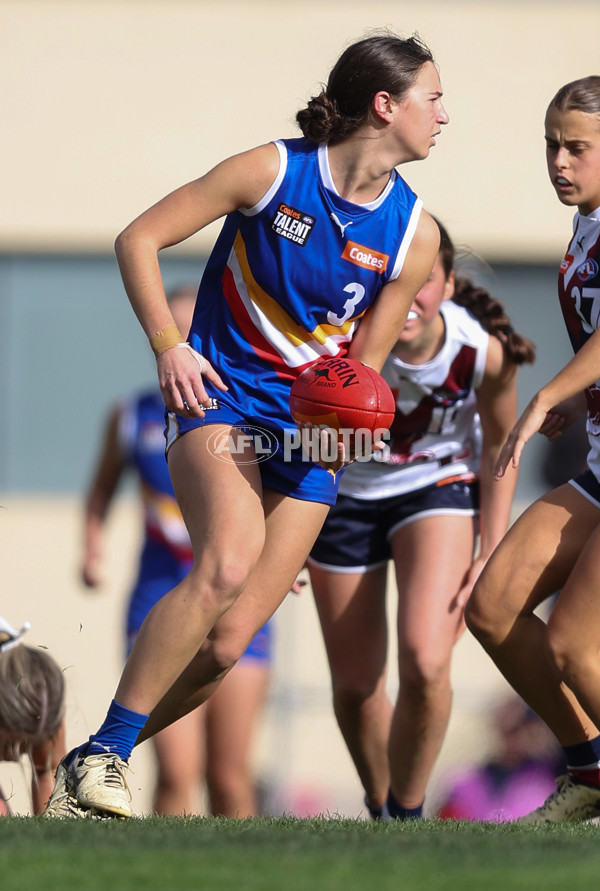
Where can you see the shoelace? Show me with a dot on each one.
(115, 775)
(560, 792)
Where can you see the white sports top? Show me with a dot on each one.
(436, 432)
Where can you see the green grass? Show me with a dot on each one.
(286, 854)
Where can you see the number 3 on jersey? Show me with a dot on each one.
(349, 306)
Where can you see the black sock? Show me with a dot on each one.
(397, 812)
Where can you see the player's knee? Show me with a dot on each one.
(219, 582)
(226, 652)
(354, 694)
(424, 674)
(481, 618)
(567, 654)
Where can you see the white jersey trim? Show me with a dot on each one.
(252, 211)
(407, 240)
(329, 184)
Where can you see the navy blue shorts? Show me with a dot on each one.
(588, 485)
(356, 534)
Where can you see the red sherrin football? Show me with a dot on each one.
(342, 394)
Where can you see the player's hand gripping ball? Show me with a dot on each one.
(344, 395)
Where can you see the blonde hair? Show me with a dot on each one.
(579, 95)
(32, 692)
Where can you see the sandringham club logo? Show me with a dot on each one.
(295, 225)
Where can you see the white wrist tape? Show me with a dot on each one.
(199, 359)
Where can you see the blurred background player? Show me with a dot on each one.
(214, 741)
(32, 694)
(420, 502)
(519, 772)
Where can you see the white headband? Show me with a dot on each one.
(14, 637)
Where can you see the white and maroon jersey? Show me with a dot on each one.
(436, 432)
(579, 295)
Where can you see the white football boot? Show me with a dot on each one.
(570, 803)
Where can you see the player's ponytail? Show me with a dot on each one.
(488, 311)
(381, 62)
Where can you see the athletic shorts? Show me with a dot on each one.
(357, 532)
(284, 467)
(160, 572)
(588, 485)
(260, 648)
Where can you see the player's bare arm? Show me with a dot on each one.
(582, 371)
(239, 181)
(497, 407)
(378, 330)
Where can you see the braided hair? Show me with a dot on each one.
(488, 311)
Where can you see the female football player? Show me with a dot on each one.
(283, 286)
(32, 705)
(555, 666)
(420, 502)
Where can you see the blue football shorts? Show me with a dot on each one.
(260, 648)
(284, 467)
(357, 532)
(160, 572)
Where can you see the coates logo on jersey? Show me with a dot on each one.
(566, 264)
(587, 270)
(295, 225)
(365, 257)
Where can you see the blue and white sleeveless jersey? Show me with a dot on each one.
(436, 432)
(579, 295)
(141, 440)
(289, 279)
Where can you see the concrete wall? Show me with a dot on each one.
(108, 105)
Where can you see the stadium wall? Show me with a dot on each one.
(108, 105)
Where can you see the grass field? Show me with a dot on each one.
(294, 855)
